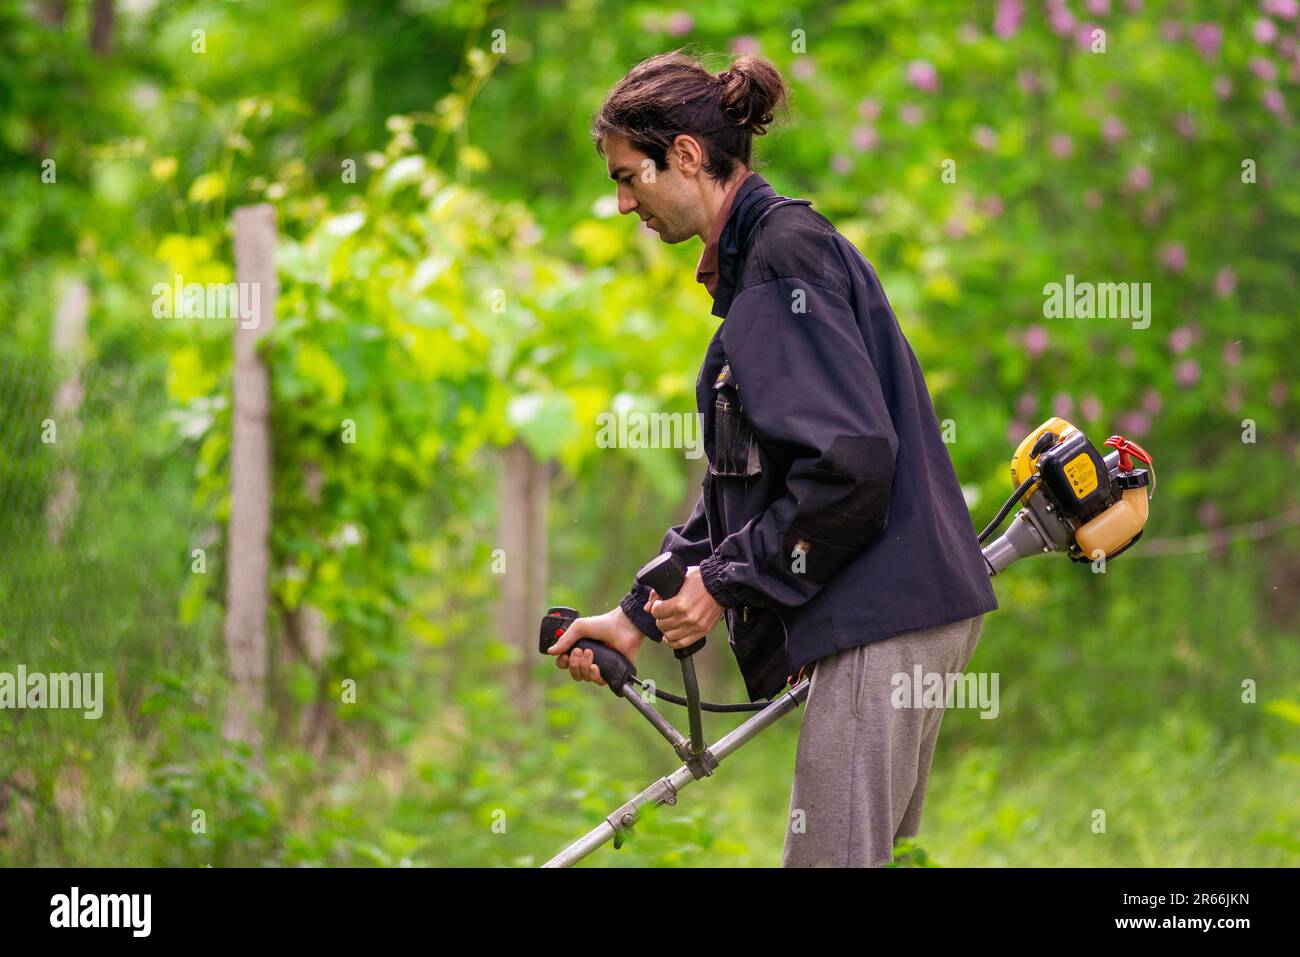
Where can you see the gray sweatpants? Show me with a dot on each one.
(862, 764)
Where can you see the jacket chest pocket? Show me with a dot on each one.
(735, 450)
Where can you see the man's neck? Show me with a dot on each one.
(713, 201)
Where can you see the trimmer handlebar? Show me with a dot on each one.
(615, 669)
(666, 574)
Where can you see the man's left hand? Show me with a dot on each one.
(689, 615)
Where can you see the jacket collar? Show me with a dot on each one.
(754, 195)
(707, 271)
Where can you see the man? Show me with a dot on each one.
(831, 530)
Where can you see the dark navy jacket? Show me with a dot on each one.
(830, 515)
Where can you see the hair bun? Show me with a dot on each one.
(751, 90)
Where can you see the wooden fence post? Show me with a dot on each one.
(522, 495)
(69, 341)
(248, 558)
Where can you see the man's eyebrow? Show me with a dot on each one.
(619, 172)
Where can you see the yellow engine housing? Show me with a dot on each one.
(1114, 528)
(1022, 465)
(1104, 534)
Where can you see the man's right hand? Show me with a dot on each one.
(613, 628)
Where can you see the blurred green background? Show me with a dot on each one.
(454, 280)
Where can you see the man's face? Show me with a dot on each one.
(667, 200)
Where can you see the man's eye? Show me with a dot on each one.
(627, 180)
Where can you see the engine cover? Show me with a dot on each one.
(1075, 477)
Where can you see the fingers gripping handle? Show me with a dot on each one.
(615, 669)
(665, 575)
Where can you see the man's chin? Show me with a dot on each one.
(668, 238)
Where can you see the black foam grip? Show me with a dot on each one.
(615, 669)
(666, 574)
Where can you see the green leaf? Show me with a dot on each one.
(545, 421)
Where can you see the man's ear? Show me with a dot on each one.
(689, 153)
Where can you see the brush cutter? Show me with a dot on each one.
(1073, 500)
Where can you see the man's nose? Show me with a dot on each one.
(626, 203)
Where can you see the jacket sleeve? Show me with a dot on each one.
(810, 390)
(690, 543)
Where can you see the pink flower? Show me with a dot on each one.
(1062, 405)
(1036, 340)
(679, 23)
(1285, 9)
(992, 206)
(1174, 257)
(968, 33)
(841, 164)
(1062, 146)
(1112, 129)
(1060, 18)
(1083, 36)
(1133, 6)
(1092, 199)
(1090, 408)
(1126, 357)
(1029, 81)
(1187, 372)
(1222, 87)
(1099, 8)
(1180, 339)
(745, 46)
(1170, 31)
(1207, 38)
(1025, 405)
(1016, 433)
(984, 137)
(1139, 178)
(865, 138)
(1273, 101)
(1277, 393)
(1232, 353)
(1225, 281)
(1151, 402)
(804, 68)
(1265, 30)
(1185, 126)
(1232, 399)
(1006, 20)
(1263, 68)
(1207, 513)
(922, 75)
(1286, 47)
(1134, 425)
(955, 228)
(911, 114)
(869, 109)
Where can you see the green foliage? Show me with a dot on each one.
(471, 285)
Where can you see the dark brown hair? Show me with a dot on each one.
(672, 93)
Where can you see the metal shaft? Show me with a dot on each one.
(664, 791)
(674, 737)
(692, 686)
